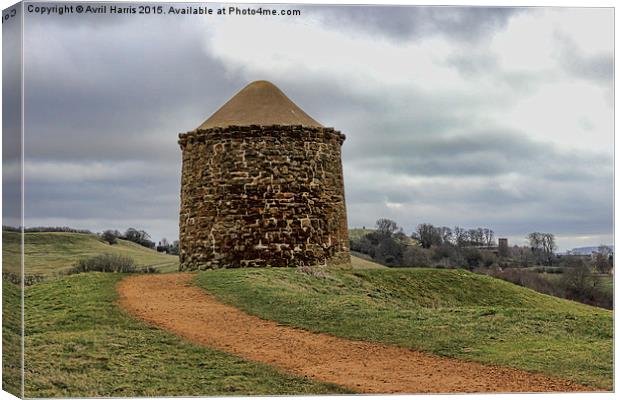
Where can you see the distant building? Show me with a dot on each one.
(502, 247)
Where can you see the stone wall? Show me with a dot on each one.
(257, 196)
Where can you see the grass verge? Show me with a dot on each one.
(451, 313)
(80, 344)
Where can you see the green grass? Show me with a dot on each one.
(362, 261)
(358, 233)
(606, 283)
(11, 333)
(79, 343)
(47, 253)
(446, 312)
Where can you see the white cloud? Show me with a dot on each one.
(555, 112)
(549, 105)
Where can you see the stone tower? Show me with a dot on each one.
(262, 186)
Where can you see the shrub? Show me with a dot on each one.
(548, 270)
(108, 263)
(174, 248)
(581, 285)
(414, 256)
(530, 279)
(139, 236)
(576, 283)
(17, 280)
(389, 251)
(444, 250)
(488, 259)
(109, 237)
(473, 257)
(363, 245)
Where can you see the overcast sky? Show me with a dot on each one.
(494, 117)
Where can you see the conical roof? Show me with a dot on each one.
(259, 103)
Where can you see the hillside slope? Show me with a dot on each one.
(361, 261)
(446, 312)
(47, 253)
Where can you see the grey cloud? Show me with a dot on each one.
(406, 22)
(101, 89)
(473, 65)
(117, 95)
(11, 121)
(477, 154)
(113, 95)
(598, 68)
(499, 179)
(113, 200)
(481, 65)
(576, 208)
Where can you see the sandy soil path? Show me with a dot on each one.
(170, 301)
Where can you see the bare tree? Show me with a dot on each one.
(386, 226)
(489, 237)
(603, 259)
(535, 241)
(524, 255)
(459, 236)
(476, 237)
(543, 246)
(445, 234)
(604, 250)
(109, 236)
(139, 236)
(548, 242)
(427, 235)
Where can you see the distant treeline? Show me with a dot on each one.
(474, 249)
(110, 236)
(142, 238)
(428, 246)
(46, 229)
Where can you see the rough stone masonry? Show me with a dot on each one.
(262, 185)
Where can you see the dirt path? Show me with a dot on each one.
(172, 303)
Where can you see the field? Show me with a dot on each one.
(48, 253)
(451, 313)
(606, 283)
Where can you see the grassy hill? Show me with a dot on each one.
(362, 261)
(47, 253)
(358, 233)
(446, 312)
